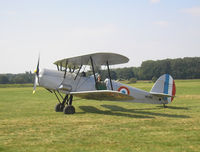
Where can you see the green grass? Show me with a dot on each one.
(28, 123)
(15, 85)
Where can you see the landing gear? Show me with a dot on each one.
(65, 105)
(164, 106)
(69, 109)
(59, 107)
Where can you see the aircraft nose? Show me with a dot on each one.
(40, 75)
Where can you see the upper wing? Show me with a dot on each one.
(98, 59)
(103, 95)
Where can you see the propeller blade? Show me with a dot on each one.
(35, 84)
(36, 75)
(38, 67)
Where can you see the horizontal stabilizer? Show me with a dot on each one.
(161, 94)
(103, 95)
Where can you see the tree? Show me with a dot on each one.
(125, 73)
(4, 79)
(154, 79)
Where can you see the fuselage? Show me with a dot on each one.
(69, 82)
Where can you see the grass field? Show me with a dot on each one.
(28, 123)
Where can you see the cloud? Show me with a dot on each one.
(162, 23)
(154, 1)
(194, 11)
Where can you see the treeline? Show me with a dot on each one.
(181, 68)
(21, 78)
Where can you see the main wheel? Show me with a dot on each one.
(69, 109)
(59, 107)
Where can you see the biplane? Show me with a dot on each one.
(70, 80)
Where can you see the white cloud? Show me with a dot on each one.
(162, 23)
(154, 1)
(194, 11)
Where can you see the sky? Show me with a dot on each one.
(139, 29)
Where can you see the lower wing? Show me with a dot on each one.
(103, 95)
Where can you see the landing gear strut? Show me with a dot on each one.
(69, 109)
(65, 105)
(61, 105)
(164, 106)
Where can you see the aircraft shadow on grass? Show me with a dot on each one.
(141, 111)
(133, 113)
(173, 107)
(91, 109)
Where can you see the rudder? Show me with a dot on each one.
(165, 85)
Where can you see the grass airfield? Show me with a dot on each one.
(29, 123)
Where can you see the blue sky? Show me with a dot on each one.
(142, 30)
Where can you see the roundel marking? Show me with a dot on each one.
(124, 90)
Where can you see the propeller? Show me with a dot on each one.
(36, 75)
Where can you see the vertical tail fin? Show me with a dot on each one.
(165, 85)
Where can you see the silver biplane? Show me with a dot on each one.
(70, 81)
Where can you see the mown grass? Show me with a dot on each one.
(28, 123)
(15, 85)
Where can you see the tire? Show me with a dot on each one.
(59, 107)
(69, 109)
